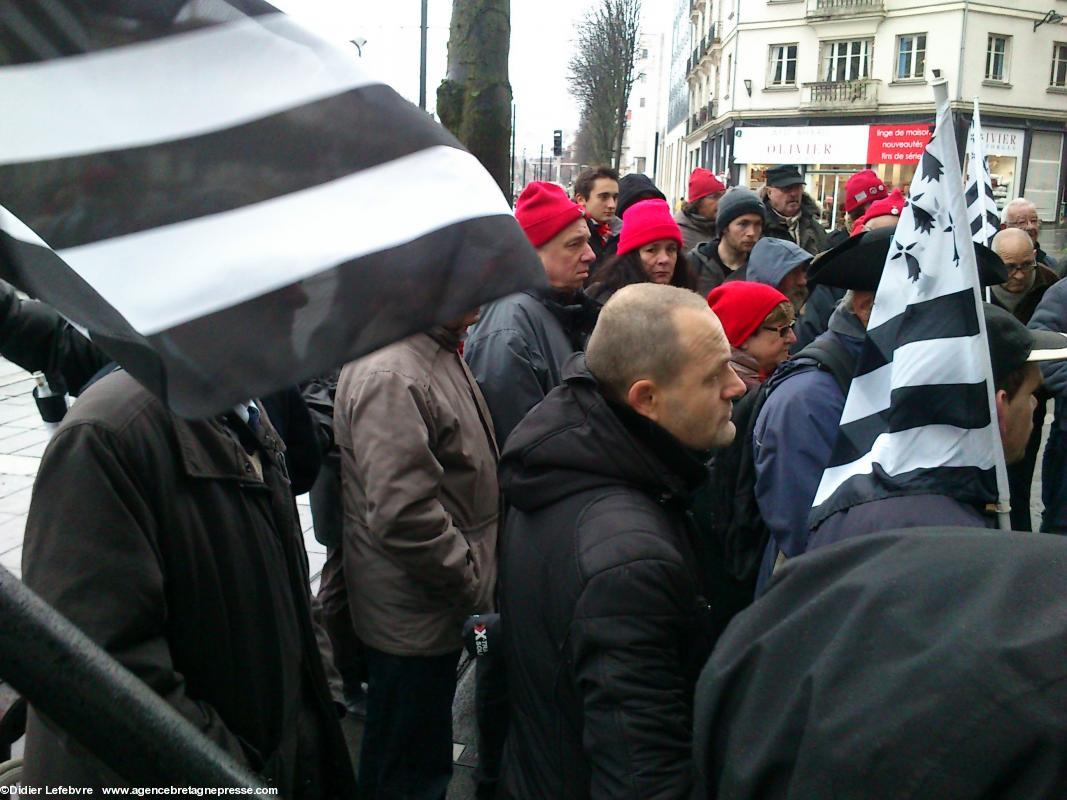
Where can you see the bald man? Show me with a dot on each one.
(1020, 294)
(1022, 214)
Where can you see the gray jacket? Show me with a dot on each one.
(518, 348)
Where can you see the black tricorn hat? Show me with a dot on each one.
(858, 263)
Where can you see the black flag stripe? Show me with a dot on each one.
(956, 405)
(316, 324)
(943, 317)
(163, 184)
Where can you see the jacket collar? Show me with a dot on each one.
(212, 448)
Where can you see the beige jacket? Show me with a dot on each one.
(420, 492)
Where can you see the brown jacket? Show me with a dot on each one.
(421, 499)
(157, 537)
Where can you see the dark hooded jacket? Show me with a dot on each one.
(929, 663)
(605, 623)
(811, 235)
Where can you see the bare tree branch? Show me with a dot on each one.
(602, 75)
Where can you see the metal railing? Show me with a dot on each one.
(843, 7)
(841, 94)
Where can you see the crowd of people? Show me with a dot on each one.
(584, 483)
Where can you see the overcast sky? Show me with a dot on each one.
(541, 46)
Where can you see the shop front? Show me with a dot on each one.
(828, 155)
(1004, 154)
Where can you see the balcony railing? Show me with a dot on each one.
(841, 94)
(836, 8)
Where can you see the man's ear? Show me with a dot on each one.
(642, 398)
(862, 304)
(1001, 400)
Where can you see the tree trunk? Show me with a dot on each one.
(474, 100)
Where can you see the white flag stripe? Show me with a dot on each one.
(931, 362)
(927, 447)
(215, 262)
(184, 85)
(983, 209)
(16, 228)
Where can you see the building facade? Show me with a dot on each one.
(837, 85)
(640, 138)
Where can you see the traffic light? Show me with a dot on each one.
(557, 143)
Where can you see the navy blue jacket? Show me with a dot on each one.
(791, 446)
(893, 513)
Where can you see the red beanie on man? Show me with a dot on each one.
(742, 306)
(543, 210)
(647, 221)
(702, 183)
(863, 187)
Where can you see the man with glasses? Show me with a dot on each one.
(1022, 214)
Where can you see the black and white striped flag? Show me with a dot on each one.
(228, 203)
(920, 414)
(981, 206)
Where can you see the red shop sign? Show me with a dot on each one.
(897, 144)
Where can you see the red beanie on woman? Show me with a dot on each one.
(742, 306)
(647, 221)
(543, 210)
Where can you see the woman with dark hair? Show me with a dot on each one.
(650, 249)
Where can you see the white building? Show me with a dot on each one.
(642, 116)
(672, 165)
(836, 85)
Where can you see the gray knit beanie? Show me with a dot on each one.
(736, 202)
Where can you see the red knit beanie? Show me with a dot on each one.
(646, 221)
(891, 206)
(543, 210)
(863, 187)
(742, 306)
(702, 183)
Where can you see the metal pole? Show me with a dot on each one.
(541, 166)
(105, 708)
(422, 57)
(524, 168)
(513, 118)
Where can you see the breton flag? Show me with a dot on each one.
(228, 203)
(981, 207)
(920, 416)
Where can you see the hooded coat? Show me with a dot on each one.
(604, 620)
(929, 663)
(772, 259)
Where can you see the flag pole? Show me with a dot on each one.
(968, 262)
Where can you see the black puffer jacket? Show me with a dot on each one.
(605, 626)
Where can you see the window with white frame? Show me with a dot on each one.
(846, 60)
(911, 56)
(1059, 66)
(996, 58)
(783, 65)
